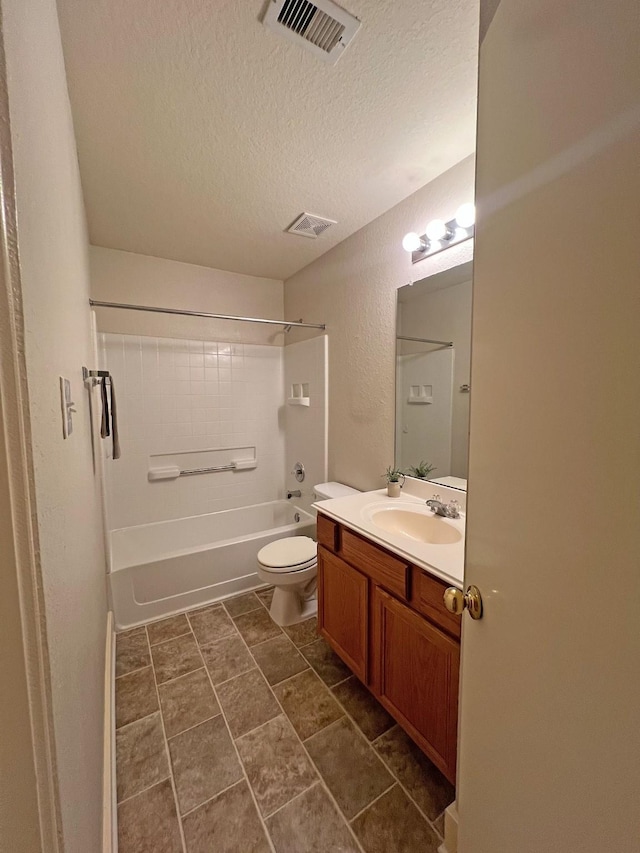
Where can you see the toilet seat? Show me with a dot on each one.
(292, 554)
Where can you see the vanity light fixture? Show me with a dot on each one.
(441, 235)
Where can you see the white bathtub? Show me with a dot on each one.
(163, 568)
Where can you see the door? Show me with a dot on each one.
(416, 678)
(550, 692)
(343, 609)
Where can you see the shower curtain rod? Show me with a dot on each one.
(97, 304)
(424, 341)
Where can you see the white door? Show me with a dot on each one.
(549, 754)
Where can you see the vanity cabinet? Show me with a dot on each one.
(386, 619)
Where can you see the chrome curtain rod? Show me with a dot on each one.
(97, 304)
(425, 341)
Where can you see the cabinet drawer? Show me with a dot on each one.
(388, 571)
(328, 533)
(426, 597)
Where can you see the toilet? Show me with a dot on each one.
(291, 566)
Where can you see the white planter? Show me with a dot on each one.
(393, 490)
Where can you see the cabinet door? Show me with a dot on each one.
(343, 613)
(415, 675)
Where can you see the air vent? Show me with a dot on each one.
(308, 225)
(322, 27)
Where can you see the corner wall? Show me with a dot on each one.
(53, 258)
(144, 280)
(352, 289)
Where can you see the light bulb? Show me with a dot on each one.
(437, 230)
(466, 215)
(412, 242)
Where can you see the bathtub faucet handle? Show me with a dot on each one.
(296, 493)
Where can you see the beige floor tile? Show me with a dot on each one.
(367, 712)
(311, 824)
(148, 823)
(394, 823)
(278, 659)
(276, 764)
(204, 763)
(187, 701)
(167, 629)
(326, 662)
(308, 703)
(242, 604)
(227, 824)
(132, 651)
(211, 623)
(256, 627)
(175, 658)
(226, 658)
(247, 702)
(266, 596)
(303, 633)
(141, 759)
(426, 784)
(135, 696)
(349, 766)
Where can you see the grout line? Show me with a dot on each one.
(184, 675)
(257, 728)
(374, 800)
(138, 669)
(168, 755)
(194, 726)
(295, 674)
(269, 640)
(168, 640)
(146, 716)
(215, 796)
(313, 764)
(240, 762)
(342, 681)
(227, 680)
(143, 790)
(316, 783)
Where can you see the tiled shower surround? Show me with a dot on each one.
(236, 736)
(181, 395)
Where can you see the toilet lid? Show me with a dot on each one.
(294, 552)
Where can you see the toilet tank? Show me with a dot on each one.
(326, 491)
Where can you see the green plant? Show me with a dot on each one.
(422, 470)
(393, 475)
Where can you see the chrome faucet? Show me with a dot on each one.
(450, 510)
(296, 493)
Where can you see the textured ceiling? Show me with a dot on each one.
(202, 134)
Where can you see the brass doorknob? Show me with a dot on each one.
(455, 601)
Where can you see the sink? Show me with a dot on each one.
(417, 525)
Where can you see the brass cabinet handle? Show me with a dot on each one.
(456, 601)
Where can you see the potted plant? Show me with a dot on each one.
(422, 470)
(395, 481)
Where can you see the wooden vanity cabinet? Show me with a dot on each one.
(387, 621)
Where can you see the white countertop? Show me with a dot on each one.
(443, 561)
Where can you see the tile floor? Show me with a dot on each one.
(236, 736)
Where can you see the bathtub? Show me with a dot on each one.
(163, 568)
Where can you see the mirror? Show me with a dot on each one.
(433, 364)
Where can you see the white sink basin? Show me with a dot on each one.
(420, 526)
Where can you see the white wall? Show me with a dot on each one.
(55, 280)
(144, 280)
(176, 396)
(306, 362)
(352, 289)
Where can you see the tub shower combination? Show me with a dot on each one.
(165, 567)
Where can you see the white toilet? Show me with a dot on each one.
(291, 566)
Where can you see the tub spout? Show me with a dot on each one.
(296, 493)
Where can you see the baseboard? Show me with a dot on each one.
(450, 830)
(109, 812)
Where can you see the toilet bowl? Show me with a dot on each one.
(291, 566)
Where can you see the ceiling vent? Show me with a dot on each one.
(322, 27)
(308, 225)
